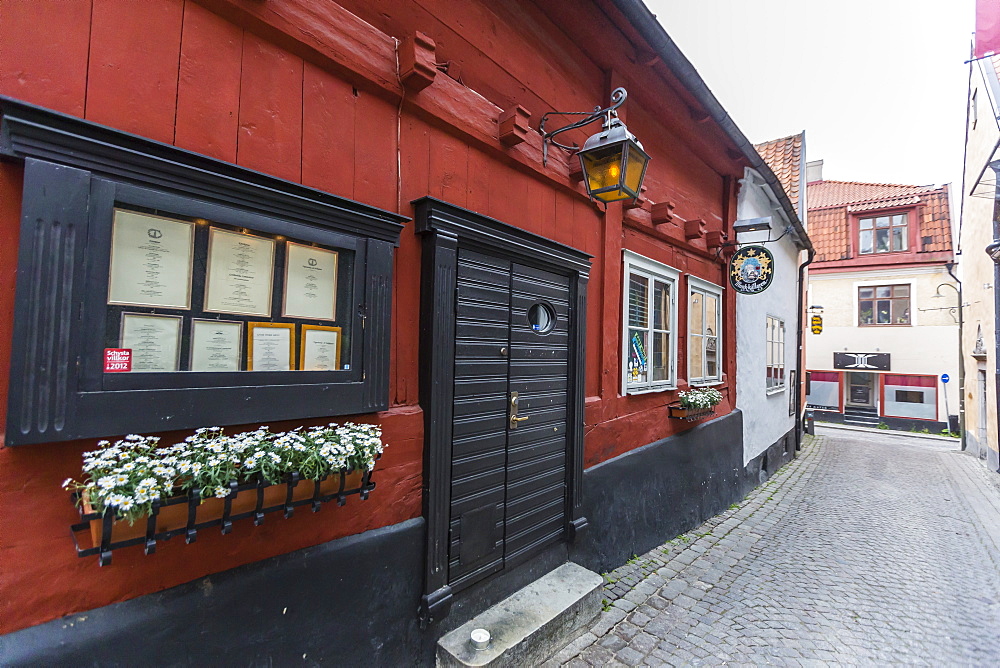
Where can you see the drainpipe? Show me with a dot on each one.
(800, 349)
(961, 359)
(996, 291)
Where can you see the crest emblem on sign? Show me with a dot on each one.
(751, 270)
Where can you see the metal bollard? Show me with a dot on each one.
(810, 423)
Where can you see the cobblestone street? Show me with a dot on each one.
(868, 549)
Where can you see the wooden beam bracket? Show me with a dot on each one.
(694, 229)
(417, 65)
(513, 125)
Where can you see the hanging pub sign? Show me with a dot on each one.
(751, 270)
(816, 324)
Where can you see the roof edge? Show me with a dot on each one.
(645, 22)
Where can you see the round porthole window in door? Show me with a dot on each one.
(542, 318)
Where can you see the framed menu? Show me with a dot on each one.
(310, 283)
(150, 260)
(216, 345)
(155, 340)
(320, 348)
(240, 272)
(271, 346)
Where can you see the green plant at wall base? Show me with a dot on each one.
(882, 425)
(700, 398)
(128, 476)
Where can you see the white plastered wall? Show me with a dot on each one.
(765, 415)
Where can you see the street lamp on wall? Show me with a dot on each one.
(613, 160)
(993, 250)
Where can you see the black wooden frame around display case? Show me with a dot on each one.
(75, 174)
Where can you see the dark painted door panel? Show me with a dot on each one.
(508, 487)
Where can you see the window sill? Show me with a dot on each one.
(707, 383)
(650, 390)
(775, 391)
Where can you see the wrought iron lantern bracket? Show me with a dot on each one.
(607, 115)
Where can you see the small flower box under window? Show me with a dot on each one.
(187, 514)
(690, 414)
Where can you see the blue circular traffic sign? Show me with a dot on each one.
(945, 378)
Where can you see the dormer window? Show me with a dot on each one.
(882, 234)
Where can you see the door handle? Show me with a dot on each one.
(513, 411)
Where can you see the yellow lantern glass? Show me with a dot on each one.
(614, 164)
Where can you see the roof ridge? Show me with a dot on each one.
(773, 141)
(930, 186)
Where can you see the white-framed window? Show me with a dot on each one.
(704, 332)
(774, 339)
(649, 339)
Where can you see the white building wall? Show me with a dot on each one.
(765, 416)
(928, 347)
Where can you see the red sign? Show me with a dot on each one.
(987, 28)
(117, 359)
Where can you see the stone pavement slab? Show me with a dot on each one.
(868, 549)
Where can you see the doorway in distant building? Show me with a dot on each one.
(981, 409)
(860, 389)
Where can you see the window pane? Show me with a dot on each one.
(661, 356)
(711, 315)
(883, 291)
(866, 293)
(711, 356)
(637, 360)
(899, 220)
(696, 358)
(898, 240)
(882, 316)
(638, 289)
(661, 305)
(866, 241)
(882, 221)
(901, 311)
(882, 241)
(901, 291)
(866, 315)
(695, 314)
(866, 223)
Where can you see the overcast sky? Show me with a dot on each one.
(879, 86)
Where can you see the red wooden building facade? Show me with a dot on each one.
(383, 104)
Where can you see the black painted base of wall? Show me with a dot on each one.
(354, 601)
(647, 496)
(350, 602)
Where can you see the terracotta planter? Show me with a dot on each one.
(691, 414)
(174, 517)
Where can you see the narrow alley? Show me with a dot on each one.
(869, 548)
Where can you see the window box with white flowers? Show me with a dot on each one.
(136, 493)
(696, 404)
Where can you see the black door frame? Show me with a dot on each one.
(444, 228)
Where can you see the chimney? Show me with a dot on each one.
(814, 171)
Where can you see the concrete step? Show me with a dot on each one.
(532, 624)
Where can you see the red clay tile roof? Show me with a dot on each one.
(830, 203)
(784, 157)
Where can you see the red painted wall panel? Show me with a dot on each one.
(134, 52)
(225, 90)
(44, 46)
(208, 87)
(329, 105)
(375, 159)
(270, 132)
(11, 186)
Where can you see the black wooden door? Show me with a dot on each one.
(509, 449)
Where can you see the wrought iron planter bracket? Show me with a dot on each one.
(193, 526)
